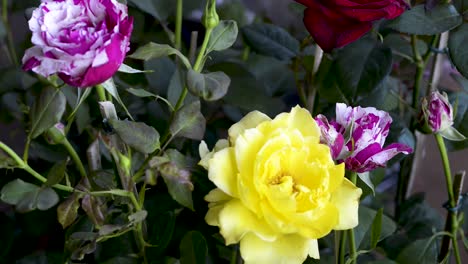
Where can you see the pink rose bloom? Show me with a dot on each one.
(83, 41)
(367, 128)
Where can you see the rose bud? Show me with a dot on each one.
(367, 129)
(438, 116)
(83, 41)
(335, 23)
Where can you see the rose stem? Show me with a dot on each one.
(405, 177)
(22, 165)
(75, 157)
(178, 25)
(101, 93)
(352, 241)
(453, 201)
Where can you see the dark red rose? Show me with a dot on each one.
(335, 23)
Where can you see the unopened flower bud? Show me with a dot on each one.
(210, 18)
(56, 134)
(437, 112)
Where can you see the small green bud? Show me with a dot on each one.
(56, 134)
(125, 163)
(210, 18)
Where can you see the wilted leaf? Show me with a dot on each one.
(210, 86)
(189, 122)
(67, 211)
(137, 135)
(91, 205)
(46, 111)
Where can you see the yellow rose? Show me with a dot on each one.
(278, 188)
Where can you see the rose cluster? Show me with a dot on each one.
(83, 41)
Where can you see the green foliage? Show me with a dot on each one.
(420, 21)
(457, 48)
(271, 40)
(137, 135)
(46, 111)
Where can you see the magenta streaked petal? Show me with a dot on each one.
(83, 41)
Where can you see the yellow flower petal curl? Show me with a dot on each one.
(289, 249)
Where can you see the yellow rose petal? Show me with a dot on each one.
(217, 195)
(251, 120)
(287, 249)
(299, 119)
(346, 199)
(235, 220)
(223, 171)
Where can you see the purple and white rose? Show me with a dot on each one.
(357, 137)
(83, 41)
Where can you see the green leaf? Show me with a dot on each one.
(56, 173)
(460, 120)
(137, 217)
(46, 111)
(366, 231)
(418, 21)
(376, 228)
(161, 230)
(67, 211)
(366, 179)
(6, 162)
(362, 66)
(127, 69)
(141, 92)
(189, 122)
(420, 251)
(137, 135)
(271, 40)
(153, 50)
(457, 48)
(210, 86)
(193, 248)
(243, 82)
(159, 9)
(14, 191)
(110, 87)
(46, 199)
(223, 36)
(452, 134)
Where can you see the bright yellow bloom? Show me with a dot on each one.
(278, 188)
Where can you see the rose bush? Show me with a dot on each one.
(363, 150)
(278, 189)
(335, 23)
(83, 41)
